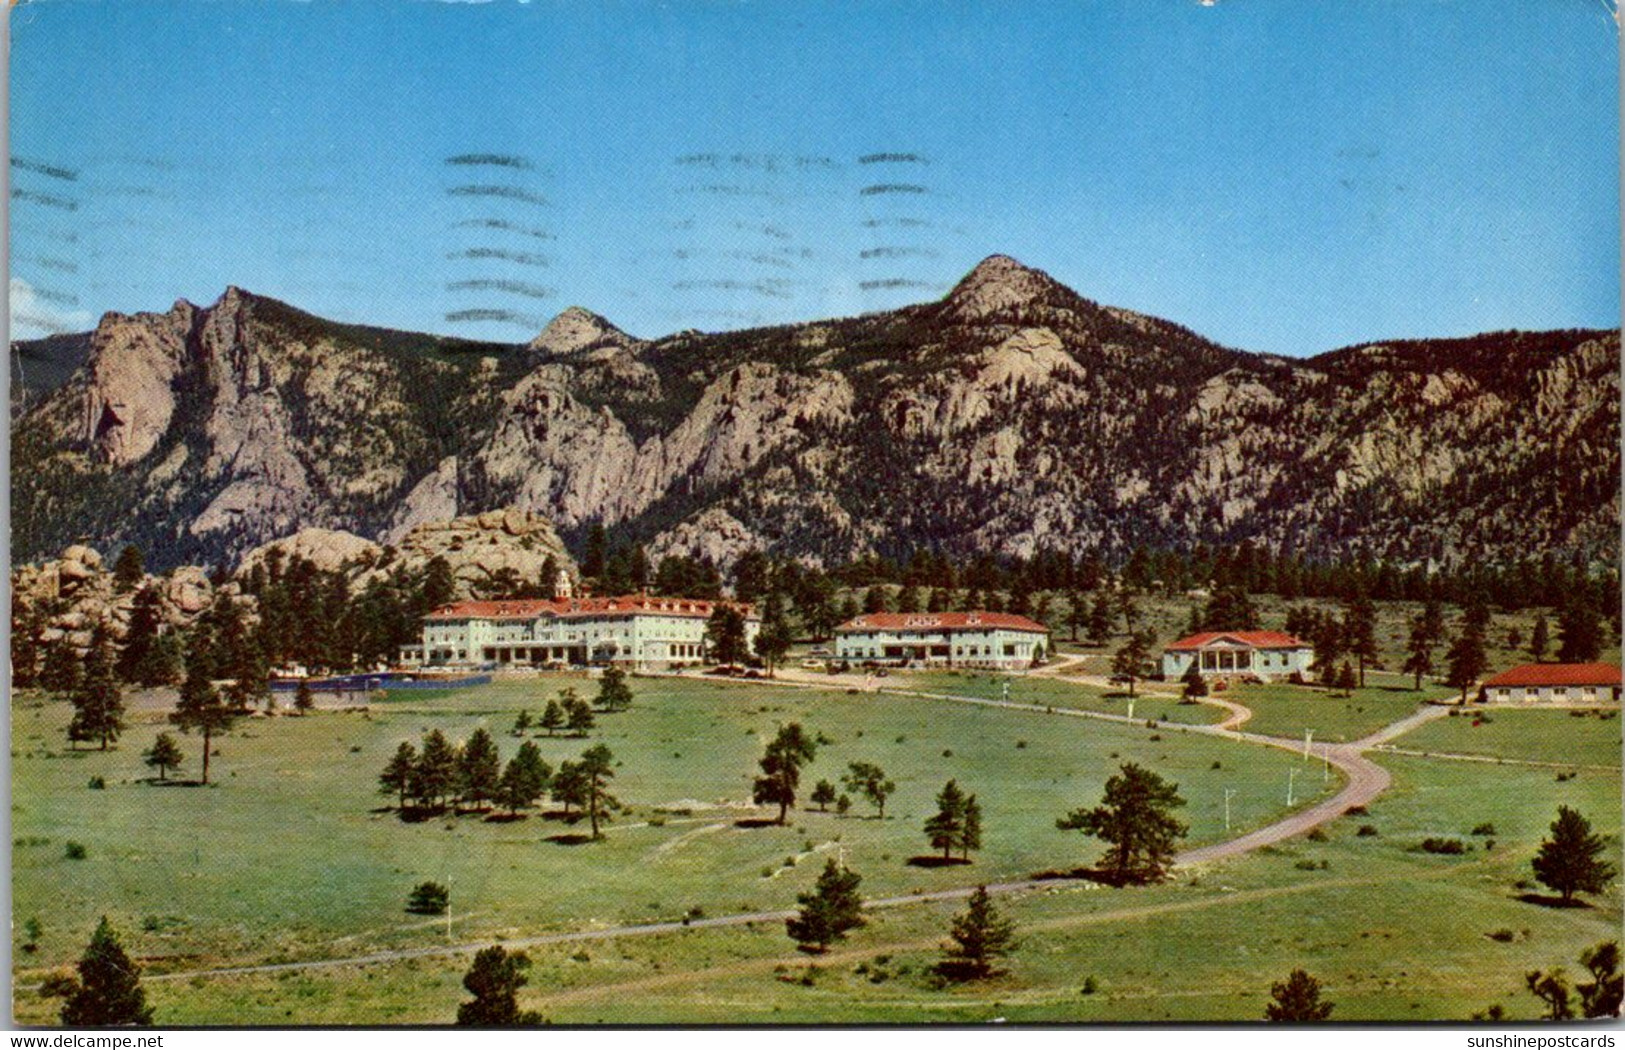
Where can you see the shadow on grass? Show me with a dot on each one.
(934, 861)
(757, 822)
(1545, 901)
(572, 839)
(155, 782)
(505, 818)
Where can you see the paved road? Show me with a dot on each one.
(1366, 780)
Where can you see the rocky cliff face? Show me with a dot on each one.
(1012, 415)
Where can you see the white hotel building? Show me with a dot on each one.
(636, 630)
(949, 639)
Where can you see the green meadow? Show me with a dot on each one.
(1583, 737)
(292, 854)
(1393, 933)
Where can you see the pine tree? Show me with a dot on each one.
(98, 709)
(142, 659)
(304, 701)
(981, 936)
(597, 769)
(823, 793)
(164, 755)
(829, 911)
(613, 692)
(1360, 631)
(524, 780)
(1419, 651)
(870, 781)
(1135, 817)
(774, 639)
(1130, 659)
(200, 708)
(1571, 861)
(970, 836)
(945, 828)
(479, 767)
(62, 669)
(1466, 660)
(108, 990)
(570, 786)
(578, 716)
(435, 776)
(1602, 995)
(725, 635)
(1100, 619)
(1579, 630)
(552, 717)
(494, 980)
(397, 777)
(128, 570)
(781, 768)
(1539, 639)
(1297, 999)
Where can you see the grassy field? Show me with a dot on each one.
(292, 855)
(1393, 933)
(1052, 692)
(1282, 709)
(1590, 738)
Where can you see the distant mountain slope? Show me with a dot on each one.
(1011, 415)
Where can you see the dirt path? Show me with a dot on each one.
(1365, 781)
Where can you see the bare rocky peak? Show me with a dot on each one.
(574, 330)
(997, 283)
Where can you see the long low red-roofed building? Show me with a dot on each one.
(639, 630)
(949, 639)
(1554, 683)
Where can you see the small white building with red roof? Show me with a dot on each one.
(946, 639)
(636, 629)
(1555, 683)
(1265, 655)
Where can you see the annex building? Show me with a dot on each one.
(637, 630)
(1554, 683)
(948, 639)
(1266, 655)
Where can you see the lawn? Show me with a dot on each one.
(292, 855)
(1590, 738)
(1394, 934)
(1053, 692)
(1282, 709)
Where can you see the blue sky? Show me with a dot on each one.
(1280, 176)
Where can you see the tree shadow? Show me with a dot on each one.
(172, 783)
(935, 861)
(757, 822)
(1546, 901)
(506, 818)
(572, 839)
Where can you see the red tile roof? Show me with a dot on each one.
(1557, 674)
(948, 621)
(1250, 639)
(531, 608)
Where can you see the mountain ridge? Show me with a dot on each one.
(1010, 415)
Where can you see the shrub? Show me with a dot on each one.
(1356, 811)
(1090, 986)
(76, 851)
(1366, 831)
(428, 898)
(1501, 935)
(1448, 846)
(98, 783)
(1485, 828)
(1316, 835)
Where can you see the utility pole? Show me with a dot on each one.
(1228, 792)
(1291, 775)
(1131, 708)
(1308, 735)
